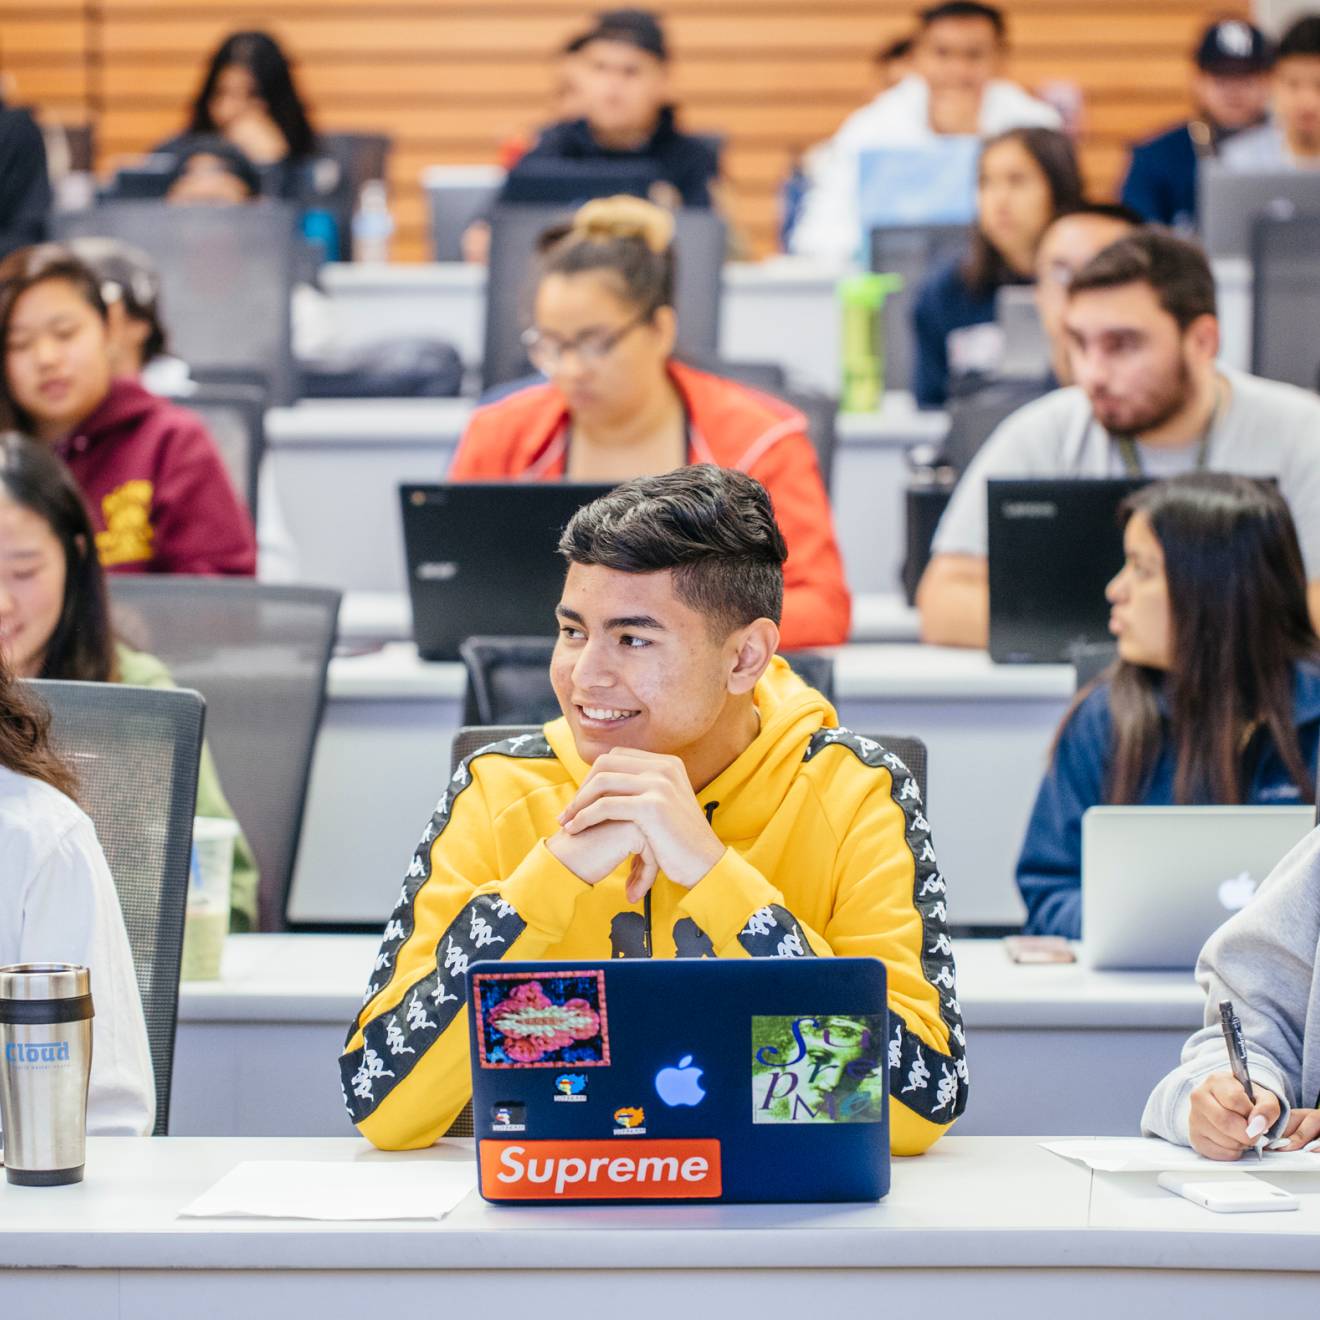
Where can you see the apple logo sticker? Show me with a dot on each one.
(681, 1085)
(1237, 891)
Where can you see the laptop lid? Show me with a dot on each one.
(682, 1080)
(1054, 544)
(1158, 881)
(1231, 201)
(483, 558)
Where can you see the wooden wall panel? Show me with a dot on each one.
(452, 79)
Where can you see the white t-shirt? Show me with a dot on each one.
(58, 904)
(1266, 430)
(830, 224)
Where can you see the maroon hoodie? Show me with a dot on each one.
(156, 487)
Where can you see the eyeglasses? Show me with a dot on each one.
(546, 352)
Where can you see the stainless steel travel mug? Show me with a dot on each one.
(45, 1065)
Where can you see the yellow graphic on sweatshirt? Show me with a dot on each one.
(128, 533)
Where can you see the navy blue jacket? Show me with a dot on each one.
(1161, 179)
(689, 163)
(944, 303)
(25, 196)
(1049, 871)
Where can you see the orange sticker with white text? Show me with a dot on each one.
(600, 1170)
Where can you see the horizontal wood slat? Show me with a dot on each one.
(451, 80)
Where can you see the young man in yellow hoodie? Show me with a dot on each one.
(696, 799)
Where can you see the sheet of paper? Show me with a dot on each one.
(1152, 1155)
(291, 1189)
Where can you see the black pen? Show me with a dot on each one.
(1237, 1058)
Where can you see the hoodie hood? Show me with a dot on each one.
(790, 711)
(124, 408)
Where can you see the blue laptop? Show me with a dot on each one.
(680, 1080)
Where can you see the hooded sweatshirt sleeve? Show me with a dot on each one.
(1049, 869)
(405, 1069)
(200, 525)
(889, 903)
(1264, 960)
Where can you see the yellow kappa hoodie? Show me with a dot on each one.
(828, 852)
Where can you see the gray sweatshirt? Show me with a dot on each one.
(1266, 959)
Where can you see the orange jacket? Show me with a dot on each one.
(525, 435)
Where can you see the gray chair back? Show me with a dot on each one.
(136, 752)
(909, 251)
(508, 679)
(911, 751)
(1285, 294)
(235, 415)
(700, 240)
(226, 276)
(259, 656)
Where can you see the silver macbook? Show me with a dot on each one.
(1158, 881)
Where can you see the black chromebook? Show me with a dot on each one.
(1054, 544)
(483, 558)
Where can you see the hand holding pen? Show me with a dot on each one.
(1229, 1115)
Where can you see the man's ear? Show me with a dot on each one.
(1202, 337)
(757, 644)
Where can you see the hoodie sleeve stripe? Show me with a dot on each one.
(428, 1010)
(931, 1083)
(400, 927)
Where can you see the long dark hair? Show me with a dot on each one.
(1239, 623)
(261, 55)
(82, 645)
(24, 743)
(21, 271)
(985, 268)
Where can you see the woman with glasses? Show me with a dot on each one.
(616, 403)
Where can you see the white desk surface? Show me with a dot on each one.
(320, 978)
(863, 671)
(386, 616)
(986, 1203)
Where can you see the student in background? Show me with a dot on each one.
(892, 63)
(618, 405)
(160, 499)
(55, 618)
(25, 192)
(1215, 695)
(1150, 399)
(696, 799)
(954, 89)
(58, 904)
(1266, 960)
(1231, 91)
(248, 97)
(1068, 243)
(622, 81)
(1291, 140)
(1026, 177)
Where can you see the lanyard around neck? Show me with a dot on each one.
(1131, 455)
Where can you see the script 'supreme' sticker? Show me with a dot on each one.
(819, 1068)
(541, 1020)
(645, 1169)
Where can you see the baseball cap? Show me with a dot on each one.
(1234, 46)
(635, 27)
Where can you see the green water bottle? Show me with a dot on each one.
(862, 298)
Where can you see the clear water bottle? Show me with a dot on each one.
(373, 225)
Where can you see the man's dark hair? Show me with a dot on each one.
(1301, 38)
(1104, 211)
(964, 9)
(715, 528)
(1175, 269)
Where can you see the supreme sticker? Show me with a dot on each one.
(819, 1068)
(541, 1020)
(598, 1171)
